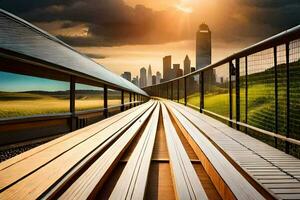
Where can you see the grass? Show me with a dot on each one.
(15, 104)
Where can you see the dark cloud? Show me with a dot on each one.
(270, 3)
(96, 56)
(113, 22)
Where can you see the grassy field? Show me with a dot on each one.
(13, 104)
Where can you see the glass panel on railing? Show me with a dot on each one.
(88, 97)
(114, 97)
(261, 90)
(192, 89)
(216, 90)
(243, 87)
(181, 90)
(126, 97)
(170, 91)
(294, 66)
(175, 90)
(22, 95)
(282, 90)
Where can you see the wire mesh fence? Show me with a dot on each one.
(255, 90)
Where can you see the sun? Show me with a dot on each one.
(184, 6)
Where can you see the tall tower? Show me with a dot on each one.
(149, 80)
(143, 78)
(203, 46)
(167, 64)
(187, 65)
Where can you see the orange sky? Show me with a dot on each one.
(170, 27)
(133, 57)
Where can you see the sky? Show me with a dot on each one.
(125, 35)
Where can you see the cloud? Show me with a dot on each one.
(114, 23)
(95, 56)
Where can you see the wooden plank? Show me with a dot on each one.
(185, 179)
(133, 180)
(223, 136)
(31, 152)
(35, 185)
(92, 179)
(238, 185)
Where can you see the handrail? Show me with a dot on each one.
(280, 69)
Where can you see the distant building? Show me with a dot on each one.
(176, 71)
(158, 77)
(135, 80)
(167, 64)
(193, 69)
(187, 65)
(203, 46)
(143, 77)
(149, 79)
(127, 76)
(153, 80)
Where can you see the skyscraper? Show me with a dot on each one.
(127, 76)
(203, 46)
(167, 64)
(149, 79)
(187, 65)
(143, 77)
(158, 77)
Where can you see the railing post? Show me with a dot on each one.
(201, 76)
(246, 92)
(276, 94)
(105, 111)
(287, 54)
(185, 92)
(130, 99)
(178, 90)
(172, 91)
(122, 101)
(134, 99)
(237, 91)
(72, 104)
(231, 67)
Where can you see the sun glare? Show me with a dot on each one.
(184, 9)
(184, 6)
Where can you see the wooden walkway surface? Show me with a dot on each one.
(158, 150)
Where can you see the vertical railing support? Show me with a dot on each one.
(72, 104)
(178, 90)
(246, 92)
(185, 92)
(122, 101)
(231, 68)
(237, 92)
(201, 82)
(134, 99)
(276, 94)
(130, 99)
(172, 91)
(105, 111)
(287, 54)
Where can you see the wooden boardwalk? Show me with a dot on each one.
(158, 150)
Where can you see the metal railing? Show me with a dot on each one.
(256, 90)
